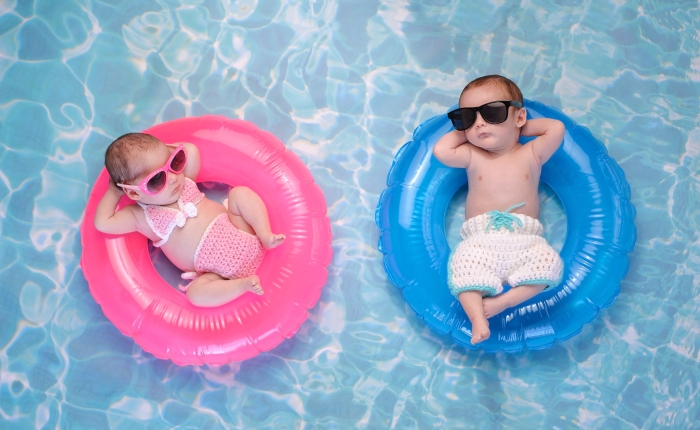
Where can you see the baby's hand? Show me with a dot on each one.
(115, 188)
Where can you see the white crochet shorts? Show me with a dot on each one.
(507, 250)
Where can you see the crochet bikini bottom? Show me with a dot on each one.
(227, 251)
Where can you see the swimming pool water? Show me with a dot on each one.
(343, 84)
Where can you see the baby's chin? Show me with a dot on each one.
(162, 200)
(491, 145)
(483, 145)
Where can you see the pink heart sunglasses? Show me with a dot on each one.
(154, 183)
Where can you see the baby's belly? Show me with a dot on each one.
(481, 203)
(183, 242)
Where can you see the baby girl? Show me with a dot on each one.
(502, 235)
(219, 247)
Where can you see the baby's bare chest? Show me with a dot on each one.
(518, 170)
(499, 183)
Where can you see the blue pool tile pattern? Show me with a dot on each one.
(343, 84)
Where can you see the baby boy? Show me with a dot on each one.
(502, 237)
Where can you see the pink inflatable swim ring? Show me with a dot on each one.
(161, 320)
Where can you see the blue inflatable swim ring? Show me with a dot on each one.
(600, 232)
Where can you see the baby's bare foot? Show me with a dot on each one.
(252, 284)
(494, 305)
(272, 240)
(480, 331)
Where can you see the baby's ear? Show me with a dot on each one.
(521, 118)
(132, 194)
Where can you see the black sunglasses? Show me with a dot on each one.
(493, 113)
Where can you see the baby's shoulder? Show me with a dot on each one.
(137, 211)
(521, 154)
(143, 225)
(134, 208)
(526, 153)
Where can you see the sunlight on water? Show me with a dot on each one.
(343, 84)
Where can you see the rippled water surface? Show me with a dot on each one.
(343, 84)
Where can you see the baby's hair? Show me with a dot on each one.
(509, 86)
(121, 157)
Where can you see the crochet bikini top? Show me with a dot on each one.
(163, 219)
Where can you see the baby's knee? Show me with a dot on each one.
(239, 191)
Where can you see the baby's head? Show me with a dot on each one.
(124, 157)
(491, 112)
(495, 82)
(134, 156)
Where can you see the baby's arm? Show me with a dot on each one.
(110, 222)
(453, 150)
(193, 159)
(550, 134)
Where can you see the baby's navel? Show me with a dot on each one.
(480, 178)
(527, 176)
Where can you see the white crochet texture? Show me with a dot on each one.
(484, 260)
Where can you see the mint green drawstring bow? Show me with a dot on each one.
(504, 219)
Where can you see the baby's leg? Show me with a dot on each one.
(472, 303)
(513, 297)
(248, 213)
(210, 289)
